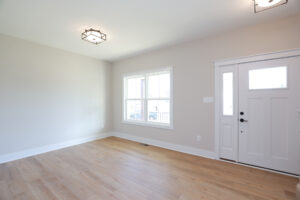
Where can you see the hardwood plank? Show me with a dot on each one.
(118, 169)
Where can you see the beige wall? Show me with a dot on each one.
(50, 96)
(193, 64)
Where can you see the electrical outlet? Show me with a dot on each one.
(198, 138)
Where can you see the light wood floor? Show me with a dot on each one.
(117, 169)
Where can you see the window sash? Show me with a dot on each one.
(146, 99)
(160, 114)
(142, 109)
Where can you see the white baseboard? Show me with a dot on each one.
(175, 147)
(39, 150)
(166, 145)
(47, 148)
(185, 149)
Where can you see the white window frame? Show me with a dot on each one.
(145, 122)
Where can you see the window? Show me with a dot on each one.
(148, 98)
(228, 94)
(268, 78)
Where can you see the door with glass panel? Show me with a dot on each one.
(228, 142)
(269, 114)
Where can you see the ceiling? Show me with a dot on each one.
(132, 26)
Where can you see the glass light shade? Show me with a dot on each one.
(93, 36)
(262, 5)
(267, 3)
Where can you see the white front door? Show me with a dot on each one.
(229, 113)
(269, 114)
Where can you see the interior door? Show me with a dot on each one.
(269, 114)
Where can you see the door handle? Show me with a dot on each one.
(243, 120)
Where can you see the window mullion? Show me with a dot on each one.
(125, 91)
(134, 99)
(167, 99)
(162, 113)
(146, 99)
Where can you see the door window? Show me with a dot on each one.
(268, 78)
(228, 93)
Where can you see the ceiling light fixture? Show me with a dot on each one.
(261, 5)
(94, 36)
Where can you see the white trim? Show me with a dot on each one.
(217, 111)
(234, 61)
(260, 168)
(186, 149)
(146, 74)
(149, 71)
(259, 57)
(219, 107)
(43, 149)
(166, 145)
(175, 147)
(148, 124)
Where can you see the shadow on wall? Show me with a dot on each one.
(49, 96)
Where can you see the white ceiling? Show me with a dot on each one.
(132, 26)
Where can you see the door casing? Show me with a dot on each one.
(232, 62)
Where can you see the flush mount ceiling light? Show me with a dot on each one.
(261, 5)
(94, 36)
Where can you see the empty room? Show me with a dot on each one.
(149, 100)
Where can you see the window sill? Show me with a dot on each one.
(152, 125)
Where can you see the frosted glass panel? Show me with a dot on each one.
(268, 78)
(228, 93)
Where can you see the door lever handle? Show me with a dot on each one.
(243, 120)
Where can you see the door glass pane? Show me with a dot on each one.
(159, 111)
(135, 110)
(228, 93)
(136, 88)
(268, 78)
(159, 85)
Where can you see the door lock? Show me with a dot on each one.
(243, 120)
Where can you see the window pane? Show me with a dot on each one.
(135, 110)
(136, 88)
(268, 78)
(228, 93)
(159, 85)
(159, 111)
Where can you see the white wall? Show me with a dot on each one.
(50, 96)
(193, 64)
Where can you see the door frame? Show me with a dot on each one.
(236, 61)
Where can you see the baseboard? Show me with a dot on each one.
(39, 150)
(166, 145)
(175, 147)
(47, 148)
